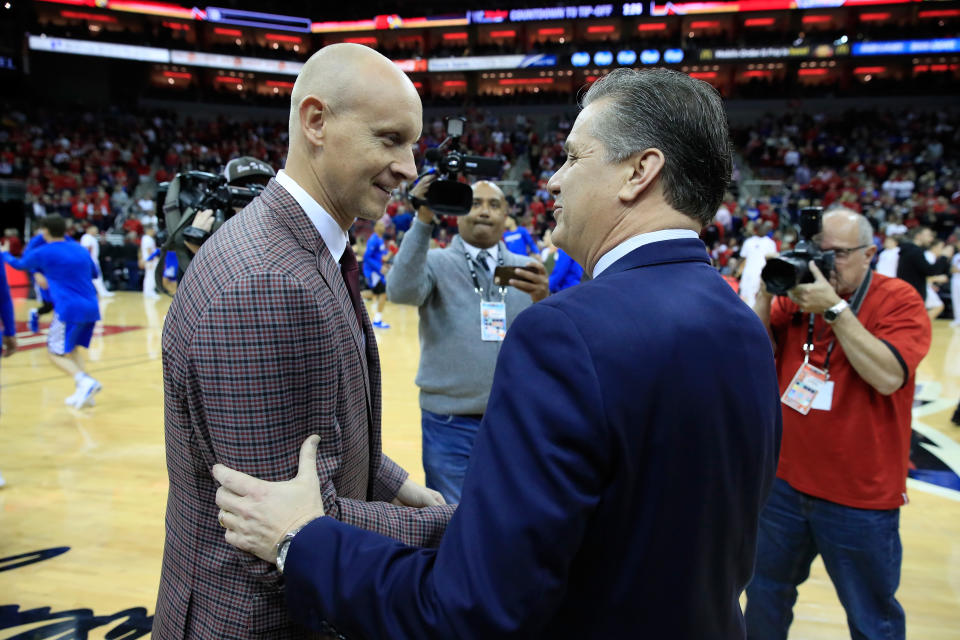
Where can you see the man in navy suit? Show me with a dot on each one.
(631, 436)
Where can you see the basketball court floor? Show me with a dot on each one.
(81, 516)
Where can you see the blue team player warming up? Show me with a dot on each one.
(69, 271)
(519, 240)
(373, 259)
(43, 293)
(7, 323)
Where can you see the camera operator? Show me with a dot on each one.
(841, 477)
(455, 291)
(203, 222)
(193, 206)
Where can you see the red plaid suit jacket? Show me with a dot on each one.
(261, 348)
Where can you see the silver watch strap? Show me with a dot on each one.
(284, 546)
(835, 311)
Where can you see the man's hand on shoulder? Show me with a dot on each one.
(257, 514)
(412, 494)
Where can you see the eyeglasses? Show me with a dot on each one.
(843, 254)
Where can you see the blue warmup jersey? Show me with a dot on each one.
(6, 305)
(565, 274)
(373, 260)
(171, 265)
(520, 242)
(36, 242)
(70, 273)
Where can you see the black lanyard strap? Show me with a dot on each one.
(855, 303)
(473, 273)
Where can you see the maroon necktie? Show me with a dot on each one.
(350, 271)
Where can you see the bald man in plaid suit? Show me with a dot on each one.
(267, 342)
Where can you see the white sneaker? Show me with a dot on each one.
(2, 481)
(71, 401)
(85, 392)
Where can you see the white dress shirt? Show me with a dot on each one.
(473, 251)
(333, 236)
(636, 242)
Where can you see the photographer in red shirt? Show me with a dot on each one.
(841, 477)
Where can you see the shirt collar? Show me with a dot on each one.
(333, 236)
(636, 242)
(472, 251)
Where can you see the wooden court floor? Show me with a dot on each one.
(86, 489)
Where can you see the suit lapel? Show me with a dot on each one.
(306, 234)
(330, 272)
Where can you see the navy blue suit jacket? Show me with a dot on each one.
(630, 441)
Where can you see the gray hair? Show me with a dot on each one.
(864, 228)
(683, 118)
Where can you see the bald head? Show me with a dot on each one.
(342, 76)
(484, 225)
(488, 187)
(850, 236)
(354, 117)
(849, 223)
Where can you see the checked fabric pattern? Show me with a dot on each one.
(261, 348)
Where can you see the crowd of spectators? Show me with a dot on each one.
(881, 163)
(895, 167)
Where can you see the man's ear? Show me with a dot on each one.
(313, 117)
(643, 168)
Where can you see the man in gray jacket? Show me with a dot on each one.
(464, 315)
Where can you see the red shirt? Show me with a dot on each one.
(857, 453)
(132, 224)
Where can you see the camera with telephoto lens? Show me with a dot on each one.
(448, 196)
(225, 193)
(792, 267)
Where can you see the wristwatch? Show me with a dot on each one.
(284, 545)
(831, 314)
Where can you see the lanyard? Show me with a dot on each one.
(855, 303)
(473, 273)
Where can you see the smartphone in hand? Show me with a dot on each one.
(502, 275)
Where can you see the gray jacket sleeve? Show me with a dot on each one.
(410, 279)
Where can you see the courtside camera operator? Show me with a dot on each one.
(196, 204)
(464, 310)
(847, 344)
(446, 195)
